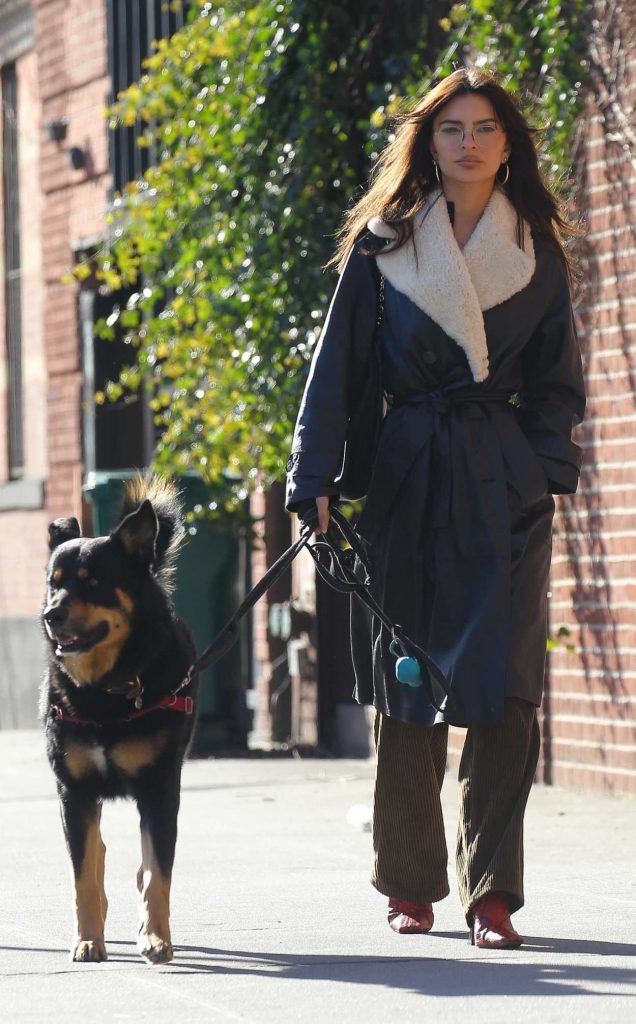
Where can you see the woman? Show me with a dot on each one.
(482, 379)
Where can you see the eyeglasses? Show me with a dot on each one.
(484, 134)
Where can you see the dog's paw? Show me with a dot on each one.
(89, 951)
(154, 949)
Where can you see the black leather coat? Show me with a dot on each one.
(459, 511)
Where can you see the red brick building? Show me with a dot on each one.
(25, 458)
(57, 174)
(58, 171)
(590, 712)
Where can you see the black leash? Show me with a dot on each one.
(335, 566)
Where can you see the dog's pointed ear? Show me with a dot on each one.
(61, 530)
(138, 533)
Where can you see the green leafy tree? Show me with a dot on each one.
(266, 118)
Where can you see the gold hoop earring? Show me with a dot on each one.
(502, 181)
(439, 180)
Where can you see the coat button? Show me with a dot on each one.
(428, 356)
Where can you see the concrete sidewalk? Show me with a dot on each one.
(273, 918)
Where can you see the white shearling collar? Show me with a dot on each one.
(455, 287)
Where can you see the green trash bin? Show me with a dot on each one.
(207, 592)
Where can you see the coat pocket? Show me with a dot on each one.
(524, 471)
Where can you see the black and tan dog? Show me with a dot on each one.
(114, 727)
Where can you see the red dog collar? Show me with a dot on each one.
(170, 703)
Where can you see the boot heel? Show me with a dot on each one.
(491, 924)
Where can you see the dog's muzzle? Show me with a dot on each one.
(68, 639)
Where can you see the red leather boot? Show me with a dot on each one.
(409, 918)
(492, 927)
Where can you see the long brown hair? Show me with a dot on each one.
(404, 174)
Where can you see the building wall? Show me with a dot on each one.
(22, 515)
(62, 75)
(590, 722)
(71, 46)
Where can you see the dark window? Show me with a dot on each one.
(119, 426)
(122, 434)
(11, 202)
(133, 25)
(116, 435)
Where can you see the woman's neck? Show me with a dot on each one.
(470, 202)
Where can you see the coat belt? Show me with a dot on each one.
(443, 399)
(440, 401)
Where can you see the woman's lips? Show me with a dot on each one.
(468, 162)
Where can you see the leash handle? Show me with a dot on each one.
(338, 574)
(363, 592)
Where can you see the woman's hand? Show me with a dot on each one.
(307, 506)
(322, 504)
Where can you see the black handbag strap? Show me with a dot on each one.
(381, 286)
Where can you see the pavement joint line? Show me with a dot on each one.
(182, 996)
(30, 933)
(52, 974)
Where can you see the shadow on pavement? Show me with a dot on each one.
(451, 976)
(430, 975)
(536, 944)
(577, 946)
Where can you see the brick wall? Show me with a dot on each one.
(23, 520)
(23, 533)
(64, 75)
(590, 720)
(61, 73)
(3, 368)
(71, 47)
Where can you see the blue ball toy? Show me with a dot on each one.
(407, 671)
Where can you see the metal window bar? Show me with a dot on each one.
(133, 25)
(12, 288)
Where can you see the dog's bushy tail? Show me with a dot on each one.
(165, 498)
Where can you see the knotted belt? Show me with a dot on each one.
(439, 402)
(442, 399)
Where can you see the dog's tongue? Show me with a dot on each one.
(66, 639)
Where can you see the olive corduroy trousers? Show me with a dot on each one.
(496, 772)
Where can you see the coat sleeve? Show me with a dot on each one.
(553, 395)
(321, 425)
